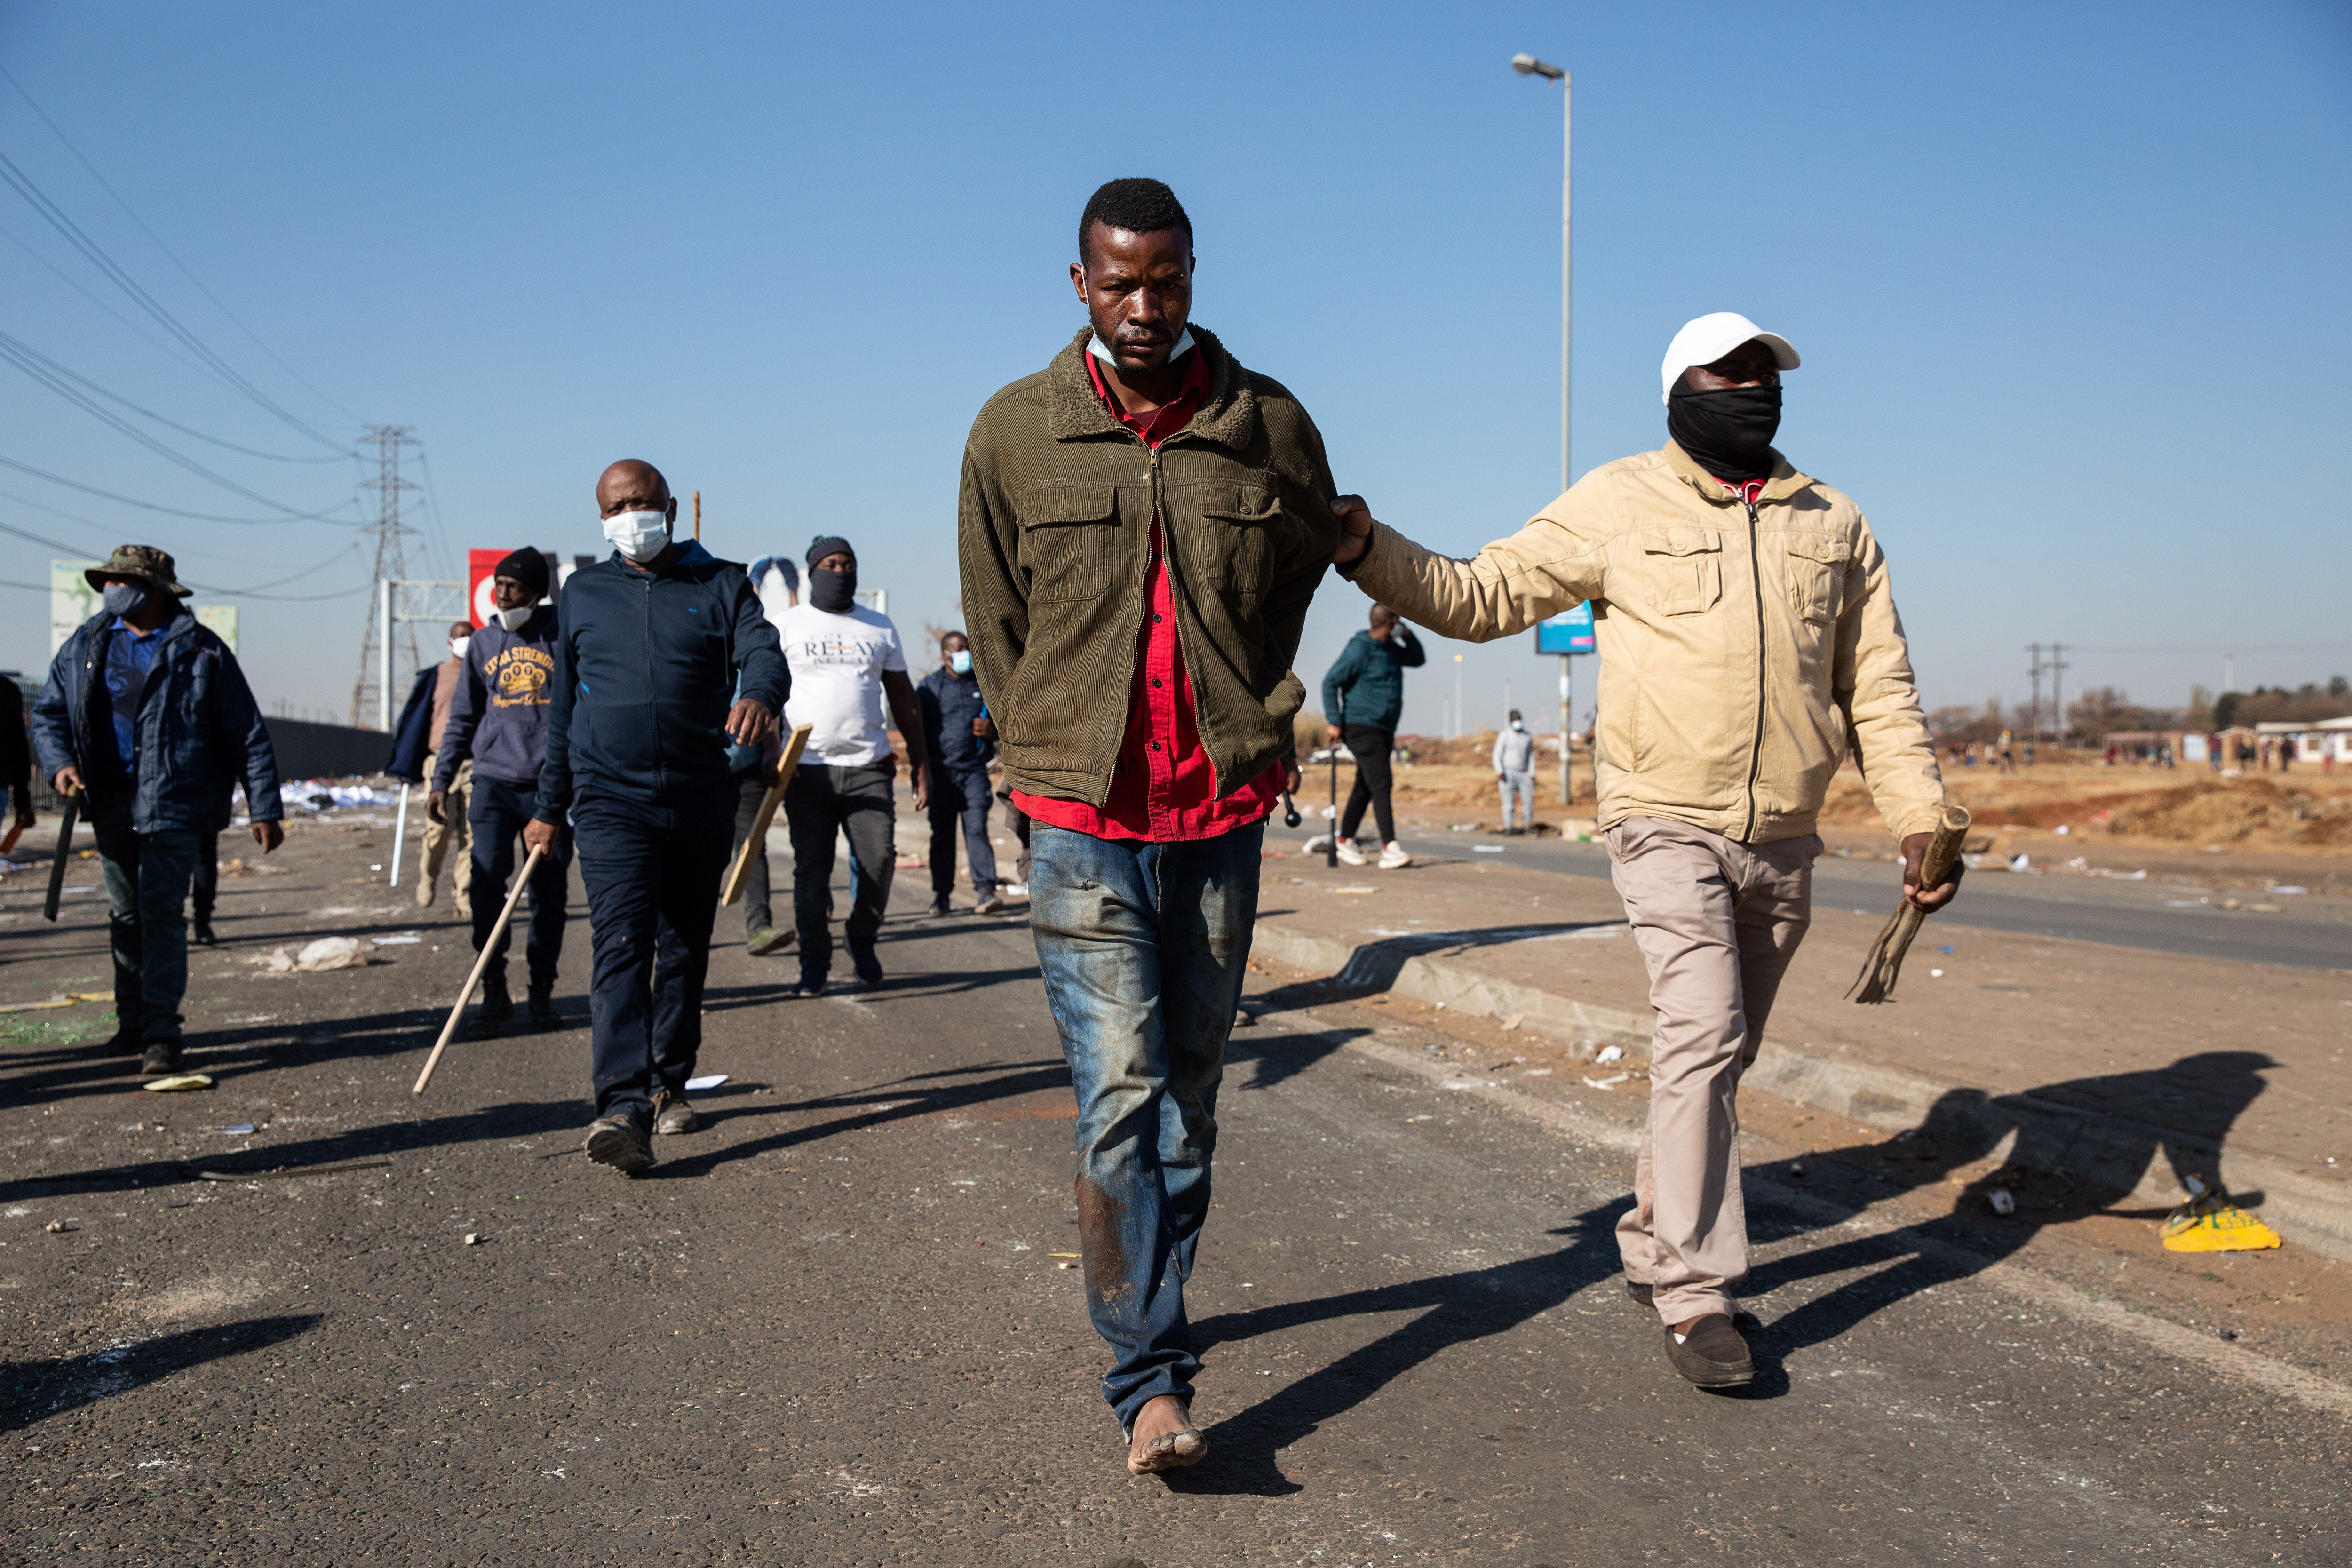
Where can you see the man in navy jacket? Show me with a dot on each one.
(653, 641)
(147, 717)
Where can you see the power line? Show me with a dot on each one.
(174, 510)
(18, 349)
(96, 254)
(83, 289)
(185, 271)
(257, 591)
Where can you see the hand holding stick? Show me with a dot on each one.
(756, 841)
(481, 962)
(1884, 963)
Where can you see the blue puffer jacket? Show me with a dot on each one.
(647, 665)
(200, 732)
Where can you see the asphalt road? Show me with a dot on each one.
(831, 1330)
(2306, 932)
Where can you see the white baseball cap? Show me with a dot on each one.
(1710, 338)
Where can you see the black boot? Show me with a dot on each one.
(203, 935)
(543, 1014)
(494, 1012)
(128, 1041)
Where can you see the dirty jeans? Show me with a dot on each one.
(1143, 948)
(147, 877)
(1718, 922)
(1521, 786)
(961, 795)
(652, 874)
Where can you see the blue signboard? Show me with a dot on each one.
(1571, 631)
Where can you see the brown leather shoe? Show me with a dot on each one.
(1712, 1355)
(672, 1114)
(620, 1142)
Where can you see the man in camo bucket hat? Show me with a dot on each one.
(148, 719)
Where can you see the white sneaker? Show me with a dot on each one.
(1348, 854)
(1393, 856)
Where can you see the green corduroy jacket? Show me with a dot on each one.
(1055, 525)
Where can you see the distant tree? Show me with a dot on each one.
(2199, 715)
(2104, 710)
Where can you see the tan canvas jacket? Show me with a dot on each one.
(1742, 650)
(1054, 535)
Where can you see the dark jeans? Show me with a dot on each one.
(652, 873)
(759, 914)
(822, 801)
(1372, 748)
(1143, 948)
(494, 815)
(961, 796)
(147, 877)
(205, 890)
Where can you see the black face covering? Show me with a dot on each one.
(1727, 433)
(833, 592)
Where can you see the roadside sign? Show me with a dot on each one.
(1571, 631)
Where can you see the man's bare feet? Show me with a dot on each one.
(1165, 1438)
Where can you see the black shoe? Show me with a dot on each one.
(1712, 1355)
(939, 907)
(808, 985)
(161, 1059)
(543, 1014)
(203, 935)
(621, 1143)
(126, 1042)
(869, 967)
(1639, 1291)
(493, 1013)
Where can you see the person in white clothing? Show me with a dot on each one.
(1515, 774)
(846, 661)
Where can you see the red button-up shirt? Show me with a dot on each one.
(1162, 789)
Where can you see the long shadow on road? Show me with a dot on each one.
(36, 1390)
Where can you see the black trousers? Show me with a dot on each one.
(496, 813)
(757, 913)
(823, 803)
(1372, 748)
(652, 873)
(960, 798)
(205, 890)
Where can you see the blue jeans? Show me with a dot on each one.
(147, 877)
(1142, 947)
(652, 874)
(496, 816)
(961, 796)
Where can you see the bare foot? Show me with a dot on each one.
(1165, 1438)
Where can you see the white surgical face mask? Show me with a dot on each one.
(1516, 724)
(639, 535)
(513, 620)
(959, 661)
(458, 648)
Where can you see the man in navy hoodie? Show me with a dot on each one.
(147, 717)
(498, 717)
(653, 640)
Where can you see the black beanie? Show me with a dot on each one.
(825, 545)
(527, 567)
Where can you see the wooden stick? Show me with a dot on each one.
(481, 962)
(1885, 962)
(756, 841)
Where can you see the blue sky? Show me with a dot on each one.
(2069, 283)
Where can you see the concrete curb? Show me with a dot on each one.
(2137, 1158)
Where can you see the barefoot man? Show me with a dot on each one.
(1747, 638)
(1142, 525)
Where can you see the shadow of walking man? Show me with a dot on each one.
(2085, 1146)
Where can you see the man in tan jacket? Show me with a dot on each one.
(1747, 640)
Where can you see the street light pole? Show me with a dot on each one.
(1528, 65)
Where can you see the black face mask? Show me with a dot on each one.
(1727, 433)
(833, 592)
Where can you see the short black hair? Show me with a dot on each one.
(1138, 207)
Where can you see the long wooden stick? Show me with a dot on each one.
(756, 841)
(481, 962)
(1885, 962)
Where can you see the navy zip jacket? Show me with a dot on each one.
(200, 732)
(497, 715)
(645, 668)
(1372, 674)
(948, 702)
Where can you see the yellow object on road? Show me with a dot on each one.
(2209, 1221)
(176, 1082)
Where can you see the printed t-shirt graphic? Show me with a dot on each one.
(838, 663)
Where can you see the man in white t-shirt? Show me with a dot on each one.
(844, 660)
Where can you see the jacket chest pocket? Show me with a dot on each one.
(1241, 526)
(1816, 575)
(1067, 535)
(1682, 570)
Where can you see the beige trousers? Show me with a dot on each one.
(441, 838)
(1718, 922)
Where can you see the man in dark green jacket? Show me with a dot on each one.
(1142, 525)
(1363, 697)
